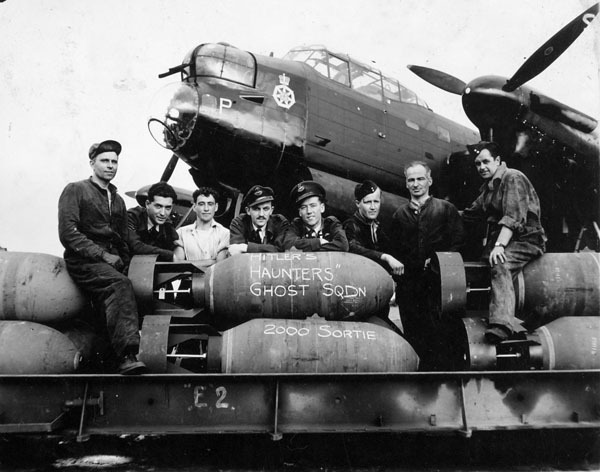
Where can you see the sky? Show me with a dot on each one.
(76, 72)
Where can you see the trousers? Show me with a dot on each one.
(112, 292)
(502, 296)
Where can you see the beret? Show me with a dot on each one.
(365, 188)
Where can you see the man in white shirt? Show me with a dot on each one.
(205, 239)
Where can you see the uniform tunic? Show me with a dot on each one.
(331, 230)
(367, 238)
(277, 233)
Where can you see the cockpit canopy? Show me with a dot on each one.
(360, 77)
(222, 61)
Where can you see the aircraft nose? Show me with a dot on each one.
(175, 109)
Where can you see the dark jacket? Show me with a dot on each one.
(360, 239)
(87, 226)
(278, 233)
(417, 234)
(331, 230)
(145, 241)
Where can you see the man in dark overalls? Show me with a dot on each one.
(92, 225)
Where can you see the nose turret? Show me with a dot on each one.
(175, 110)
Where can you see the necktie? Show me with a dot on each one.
(374, 232)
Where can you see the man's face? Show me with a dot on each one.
(205, 208)
(159, 209)
(260, 213)
(417, 181)
(104, 165)
(370, 205)
(310, 211)
(486, 164)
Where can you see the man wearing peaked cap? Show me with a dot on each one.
(363, 229)
(259, 230)
(308, 188)
(311, 231)
(509, 204)
(92, 225)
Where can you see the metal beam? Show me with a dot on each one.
(279, 404)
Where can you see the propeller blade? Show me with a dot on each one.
(168, 172)
(440, 79)
(551, 49)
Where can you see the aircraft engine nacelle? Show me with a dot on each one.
(314, 345)
(291, 285)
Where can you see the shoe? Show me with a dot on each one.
(495, 334)
(131, 366)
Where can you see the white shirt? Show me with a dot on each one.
(198, 245)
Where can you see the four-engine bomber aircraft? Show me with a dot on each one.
(238, 119)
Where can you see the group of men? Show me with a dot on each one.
(99, 235)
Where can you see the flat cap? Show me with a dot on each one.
(257, 195)
(475, 149)
(306, 189)
(105, 146)
(365, 188)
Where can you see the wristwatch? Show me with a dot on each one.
(500, 245)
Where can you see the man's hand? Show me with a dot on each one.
(395, 265)
(240, 248)
(497, 256)
(114, 261)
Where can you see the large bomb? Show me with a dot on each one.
(550, 287)
(37, 287)
(557, 285)
(292, 285)
(564, 344)
(32, 348)
(314, 345)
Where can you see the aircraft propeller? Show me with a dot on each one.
(440, 79)
(537, 63)
(170, 167)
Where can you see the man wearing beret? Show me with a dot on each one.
(363, 229)
(151, 230)
(421, 227)
(259, 230)
(92, 225)
(312, 232)
(511, 207)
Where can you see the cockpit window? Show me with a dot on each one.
(366, 81)
(390, 88)
(363, 79)
(223, 62)
(338, 70)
